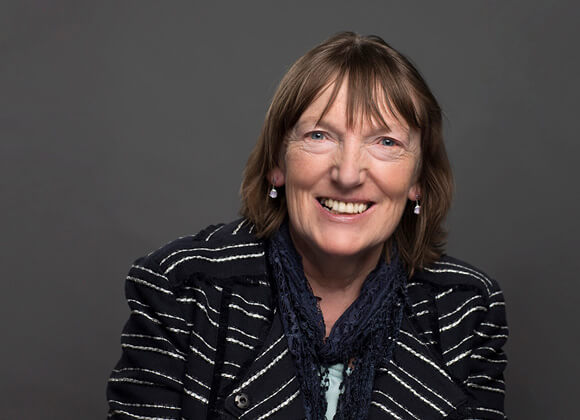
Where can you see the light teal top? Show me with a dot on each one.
(333, 391)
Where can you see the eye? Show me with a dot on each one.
(385, 141)
(316, 135)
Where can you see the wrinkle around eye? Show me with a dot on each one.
(388, 152)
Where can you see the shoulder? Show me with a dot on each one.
(456, 304)
(452, 297)
(451, 274)
(222, 252)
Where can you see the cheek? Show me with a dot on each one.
(303, 169)
(304, 172)
(395, 180)
(298, 182)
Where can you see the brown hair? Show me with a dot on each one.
(374, 71)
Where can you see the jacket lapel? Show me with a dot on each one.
(415, 384)
(270, 384)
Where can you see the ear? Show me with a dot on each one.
(276, 177)
(414, 192)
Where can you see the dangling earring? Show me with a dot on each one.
(273, 192)
(417, 208)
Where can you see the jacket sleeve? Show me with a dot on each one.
(147, 382)
(474, 354)
(487, 361)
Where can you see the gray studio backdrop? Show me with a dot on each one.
(127, 124)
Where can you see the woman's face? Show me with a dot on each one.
(346, 189)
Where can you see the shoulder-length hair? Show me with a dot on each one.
(374, 72)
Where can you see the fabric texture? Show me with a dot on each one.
(204, 329)
(335, 376)
(363, 336)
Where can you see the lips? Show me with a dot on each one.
(344, 207)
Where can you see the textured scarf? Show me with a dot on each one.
(363, 337)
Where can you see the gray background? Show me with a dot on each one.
(126, 124)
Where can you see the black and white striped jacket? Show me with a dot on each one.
(204, 340)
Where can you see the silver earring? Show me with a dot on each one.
(417, 208)
(273, 192)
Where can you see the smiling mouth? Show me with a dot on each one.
(343, 207)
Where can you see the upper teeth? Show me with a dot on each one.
(342, 207)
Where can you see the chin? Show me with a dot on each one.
(344, 247)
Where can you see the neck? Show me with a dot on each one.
(336, 279)
(337, 275)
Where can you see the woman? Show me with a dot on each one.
(332, 297)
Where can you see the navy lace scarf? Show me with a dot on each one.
(363, 336)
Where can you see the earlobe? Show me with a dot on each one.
(414, 193)
(276, 177)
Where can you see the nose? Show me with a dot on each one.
(349, 169)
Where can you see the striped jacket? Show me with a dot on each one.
(204, 340)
